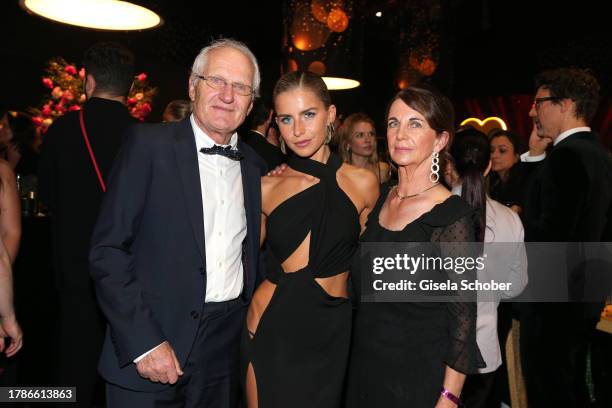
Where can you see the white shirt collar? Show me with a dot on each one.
(203, 140)
(570, 132)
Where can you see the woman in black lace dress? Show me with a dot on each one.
(414, 355)
(296, 343)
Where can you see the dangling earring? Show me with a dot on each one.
(434, 175)
(349, 154)
(282, 145)
(330, 133)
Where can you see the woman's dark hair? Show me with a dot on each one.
(434, 106)
(471, 154)
(511, 136)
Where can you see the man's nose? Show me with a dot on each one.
(226, 94)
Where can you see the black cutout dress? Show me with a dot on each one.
(399, 350)
(299, 352)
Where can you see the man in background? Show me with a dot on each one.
(569, 200)
(77, 153)
(261, 117)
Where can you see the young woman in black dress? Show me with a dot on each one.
(297, 337)
(414, 355)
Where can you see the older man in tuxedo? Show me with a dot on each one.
(175, 251)
(570, 200)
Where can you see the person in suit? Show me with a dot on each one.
(569, 200)
(261, 117)
(174, 253)
(71, 185)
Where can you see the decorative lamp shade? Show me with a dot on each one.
(96, 14)
(321, 36)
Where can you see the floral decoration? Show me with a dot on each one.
(65, 83)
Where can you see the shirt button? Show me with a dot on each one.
(220, 233)
(220, 263)
(194, 314)
(222, 202)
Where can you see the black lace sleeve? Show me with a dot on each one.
(463, 354)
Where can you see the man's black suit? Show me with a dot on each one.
(69, 186)
(148, 252)
(569, 200)
(272, 155)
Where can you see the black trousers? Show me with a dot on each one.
(210, 378)
(81, 333)
(477, 391)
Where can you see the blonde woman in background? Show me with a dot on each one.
(358, 145)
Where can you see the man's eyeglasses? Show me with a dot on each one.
(538, 101)
(220, 83)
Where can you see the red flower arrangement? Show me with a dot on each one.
(67, 94)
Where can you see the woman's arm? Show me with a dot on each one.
(10, 211)
(8, 322)
(453, 382)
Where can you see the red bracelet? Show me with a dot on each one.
(450, 396)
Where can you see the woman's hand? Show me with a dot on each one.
(278, 170)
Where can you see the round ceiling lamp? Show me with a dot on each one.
(336, 83)
(96, 14)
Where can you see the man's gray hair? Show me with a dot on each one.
(202, 59)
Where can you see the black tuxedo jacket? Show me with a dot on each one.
(147, 253)
(272, 155)
(570, 198)
(68, 184)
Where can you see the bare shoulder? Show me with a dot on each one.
(6, 171)
(362, 179)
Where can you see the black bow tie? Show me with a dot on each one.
(226, 151)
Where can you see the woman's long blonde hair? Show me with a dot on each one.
(346, 133)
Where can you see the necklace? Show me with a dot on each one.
(401, 197)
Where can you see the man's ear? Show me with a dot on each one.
(90, 85)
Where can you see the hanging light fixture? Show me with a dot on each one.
(96, 14)
(323, 37)
(336, 83)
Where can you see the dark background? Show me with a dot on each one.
(487, 48)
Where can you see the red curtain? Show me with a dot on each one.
(514, 110)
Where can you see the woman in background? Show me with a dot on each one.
(506, 262)
(358, 145)
(177, 110)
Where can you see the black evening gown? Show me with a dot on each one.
(400, 350)
(299, 352)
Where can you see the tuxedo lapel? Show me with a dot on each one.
(251, 187)
(187, 162)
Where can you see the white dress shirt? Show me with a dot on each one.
(570, 132)
(224, 221)
(502, 225)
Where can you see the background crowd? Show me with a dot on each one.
(438, 182)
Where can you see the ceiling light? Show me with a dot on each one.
(97, 14)
(379, 14)
(335, 83)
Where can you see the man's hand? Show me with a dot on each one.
(537, 144)
(10, 328)
(160, 365)
(278, 170)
